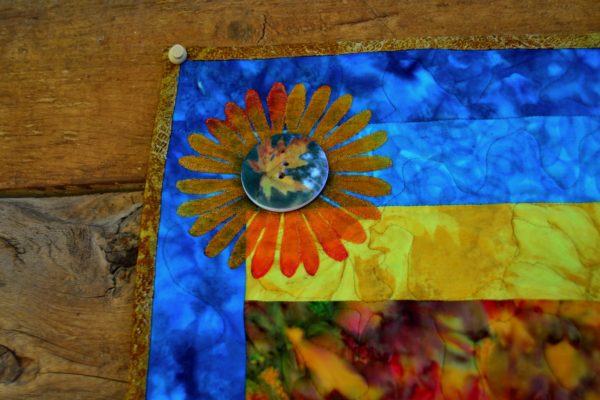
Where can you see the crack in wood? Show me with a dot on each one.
(18, 251)
(263, 32)
(121, 250)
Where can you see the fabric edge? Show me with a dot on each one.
(145, 266)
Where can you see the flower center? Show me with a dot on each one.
(285, 172)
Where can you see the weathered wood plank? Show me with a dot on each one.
(65, 295)
(79, 82)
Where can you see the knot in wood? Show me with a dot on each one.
(10, 366)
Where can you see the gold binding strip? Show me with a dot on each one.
(591, 40)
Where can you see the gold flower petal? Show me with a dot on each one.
(360, 184)
(256, 114)
(360, 164)
(316, 107)
(210, 220)
(208, 165)
(206, 204)
(238, 254)
(295, 106)
(336, 112)
(360, 146)
(359, 207)
(206, 186)
(225, 135)
(225, 235)
(207, 147)
(239, 121)
(348, 129)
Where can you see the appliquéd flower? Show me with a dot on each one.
(327, 222)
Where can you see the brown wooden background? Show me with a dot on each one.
(78, 93)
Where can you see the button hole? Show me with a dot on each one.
(281, 175)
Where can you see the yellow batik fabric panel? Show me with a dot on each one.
(462, 252)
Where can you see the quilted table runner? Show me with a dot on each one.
(410, 219)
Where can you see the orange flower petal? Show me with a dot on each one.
(225, 235)
(336, 112)
(208, 165)
(254, 229)
(348, 129)
(276, 101)
(256, 114)
(224, 135)
(290, 244)
(360, 146)
(361, 184)
(206, 186)
(295, 107)
(360, 164)
(239, 121)
(359, 207)
(327, 237)
(316, 107)
(265, 251)
(309, 252)
(345, 226)
(207, 147)
(206, 204)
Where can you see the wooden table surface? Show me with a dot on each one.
(79, 81)
(79, 88)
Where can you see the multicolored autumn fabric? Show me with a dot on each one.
(453, 253)
(423, 350)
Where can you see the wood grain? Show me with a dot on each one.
(79, 82)
(78, 95)
(66, 294)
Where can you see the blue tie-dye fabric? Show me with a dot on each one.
(465, 127)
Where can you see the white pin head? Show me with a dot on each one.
(177, 54)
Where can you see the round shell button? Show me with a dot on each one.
(285, 172)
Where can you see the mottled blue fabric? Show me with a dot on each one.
(197, 348)
(465, 127)
(416, 85)
(512, 160)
